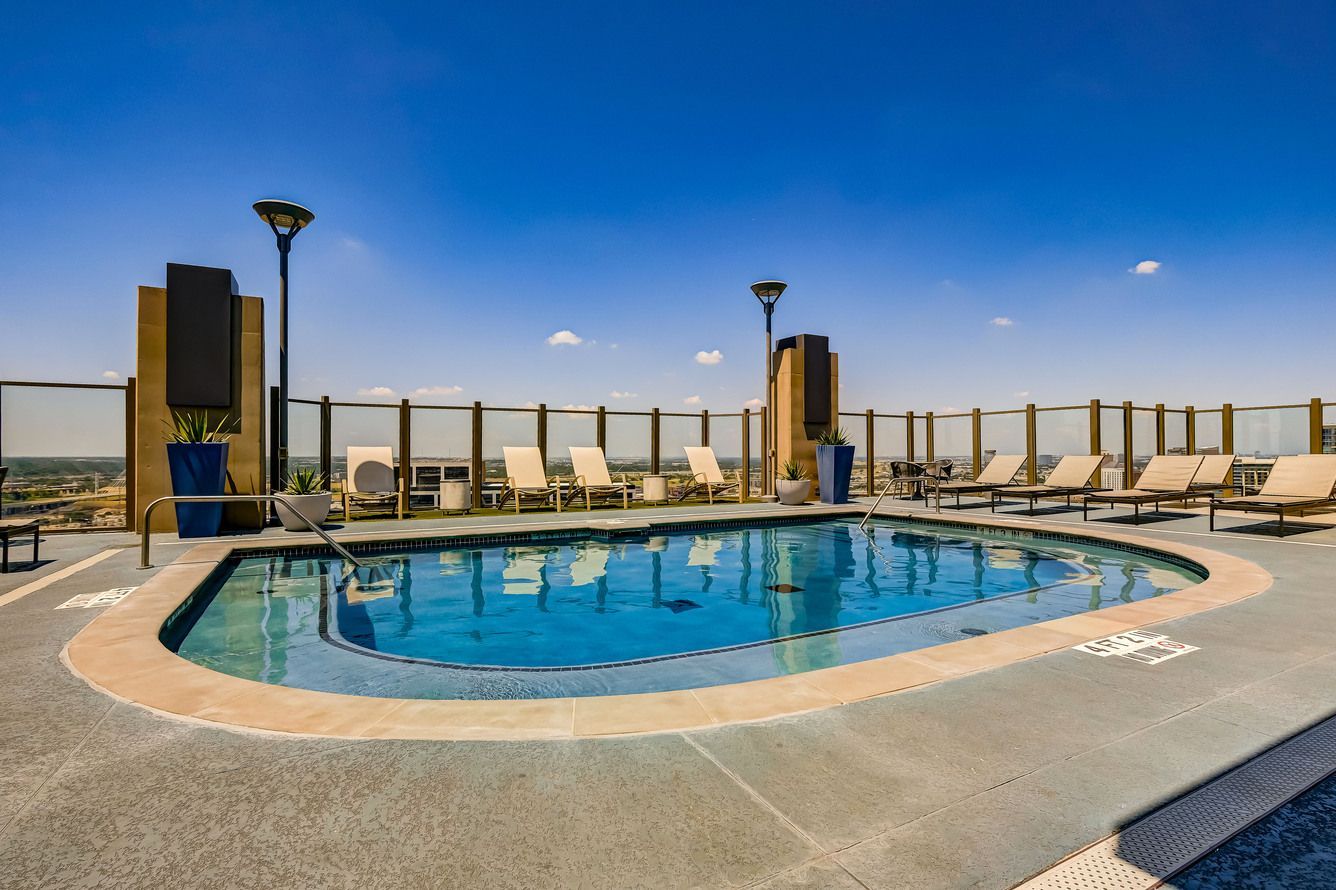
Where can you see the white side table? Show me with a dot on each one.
(654, 488)
(456, 494)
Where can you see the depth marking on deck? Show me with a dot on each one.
(1144, 646)
(97, 600)
(47, 580)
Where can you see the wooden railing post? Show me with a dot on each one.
(654, 441)
(1227, 436)
(131, 455)
(1129, 473)
(542, 433)
(1190, 419)
(405, 454)
(1096, 442)
(746, 450)
(976, 442)
(326, 441)
(1315, 426)
(1159, 428)
(476, 465)
(871, 454)
(601, 429)
(1031, 446)
(929, 448)
(909, 435)
(704, 428)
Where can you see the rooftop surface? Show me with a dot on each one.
(983, 780)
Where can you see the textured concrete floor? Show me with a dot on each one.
(976, 782)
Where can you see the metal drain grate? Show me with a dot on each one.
(1156, 847)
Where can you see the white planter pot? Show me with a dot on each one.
(314, 507)
(793, 491)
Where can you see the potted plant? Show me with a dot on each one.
(834, 465)
(197, 461)
(306, 490)
(792, 485)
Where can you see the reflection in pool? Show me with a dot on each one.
(799, 597)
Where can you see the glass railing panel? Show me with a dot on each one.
(1143, 438)
(953, 440)
(442, 443)
(1002, 433)
(303, 435)
(564, 429)
(920, 438)
(754, 427)
(1329, 429)
(65, 449)
(889, 443)
(628, 448)
(726, 440)
(502, 427)
(855, 427)
(1175, 432)
(1269, 432)
(676, 431)
(1058, 433)
(1209, 432)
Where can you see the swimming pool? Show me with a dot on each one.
(669, 610)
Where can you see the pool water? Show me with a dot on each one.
(663, 611)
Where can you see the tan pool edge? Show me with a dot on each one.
(120, 654)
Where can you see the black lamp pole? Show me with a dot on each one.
(768, 293)
(286, 220)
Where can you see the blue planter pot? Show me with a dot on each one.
(834, 466)
(198, 469)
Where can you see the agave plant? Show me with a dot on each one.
(192, 428)
(793, 471)
(305, 480)
(836, 436)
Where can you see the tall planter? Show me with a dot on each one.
(834, 467)
(198, 468)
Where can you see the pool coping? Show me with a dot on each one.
(120, 654)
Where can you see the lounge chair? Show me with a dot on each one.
(1299, 483)
(526, 480)
(371, 485)
(999, 472)
(1071, 476)
(593, 481)
(1215, 474)
(1168, 477)
(707, 477)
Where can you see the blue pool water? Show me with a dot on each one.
(659, 612)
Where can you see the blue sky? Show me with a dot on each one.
(957, 196)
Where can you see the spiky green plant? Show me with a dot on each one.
(835, 436)
(305, 480)
(192, 428)
(793, 471)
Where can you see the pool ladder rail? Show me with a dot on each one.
(144, 542)
(925, 480)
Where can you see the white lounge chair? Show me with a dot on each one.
(999, 472)
(526, 480)
(1071, 476)
(707, 477)
(1168, 477)
(593, 482)
(371, 485)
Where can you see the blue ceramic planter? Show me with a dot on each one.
(198, 469)
(834, 466)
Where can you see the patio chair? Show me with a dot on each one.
(371, 486)
(1168, 477)
(1071, 476)
(999, 473)
(1299, 482)
(707, 477)
(593, 481)
(19, 529)
(526, 480)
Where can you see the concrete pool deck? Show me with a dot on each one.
(981, 780)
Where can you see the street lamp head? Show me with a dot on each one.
(283, 214)
(768, 291)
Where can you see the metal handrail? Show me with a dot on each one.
(232, 499)
(887, 487)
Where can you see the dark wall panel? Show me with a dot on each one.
(199, 336)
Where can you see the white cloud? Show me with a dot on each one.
(579, 407)
(691, 400)
(437, 390)
(1145, 267)
(564, 338)
(618, 394)
(753, 403)
(530, 404)
(1002, 322)
(380, 392)
(1023, 394)
(614, 346)
(111, 375)
(713, 357)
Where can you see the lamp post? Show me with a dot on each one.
(768, 293)
(286, 219)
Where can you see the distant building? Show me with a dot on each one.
(1328, 438)
(1112, 477)
(1250, 473)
